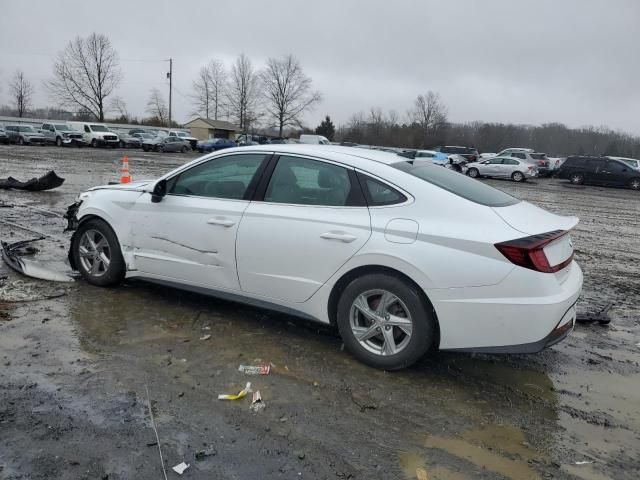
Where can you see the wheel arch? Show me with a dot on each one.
(82, 220)
(346, 278)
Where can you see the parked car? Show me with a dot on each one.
(98, 135)
(353, 241)
(215, 144)
(507, 151)
(540, 160)
(501, 167)
(137, 130)
(630, 161)
(470, 153)
(143, 136)
(580, 169)
(24, 135)
(4, 138)
(431, 155)
(166, 144)
(128, 140)
(314, 139)
(192, 141)
(62, 134)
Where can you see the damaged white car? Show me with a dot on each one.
(403, 258)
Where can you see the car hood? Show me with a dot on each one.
(139, 185)
(532, 220)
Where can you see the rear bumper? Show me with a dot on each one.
(525, 313)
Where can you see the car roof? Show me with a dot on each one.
(352, 156)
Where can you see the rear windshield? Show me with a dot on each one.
(539, 156)
(458, 184)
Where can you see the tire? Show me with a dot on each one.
(21, 141)
(160, 148)
(94, 143)
(145, 148)
(104, 268)
(473, 173)
(410, 341)
(576, 178)
(184, 149)
(122, 144)
(58, 142)
(634, 184)
(518, 177)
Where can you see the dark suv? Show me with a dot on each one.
(599, 171)
(470, 153)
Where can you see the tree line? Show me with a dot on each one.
(87, 73)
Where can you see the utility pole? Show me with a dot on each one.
(170, 77)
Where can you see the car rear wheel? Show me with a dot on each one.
(517, 177)
(184, 149)
(473, 173)
(21, 141)
(97, 255)
(576, 178)
(161, 148)
(635, 184)
(384, 322)
(58, 142)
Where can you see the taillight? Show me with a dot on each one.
(528, 252)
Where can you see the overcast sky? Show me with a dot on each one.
(520, 61)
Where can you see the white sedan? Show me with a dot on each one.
(402, 257)
(502, 167)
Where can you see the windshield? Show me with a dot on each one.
(62, 127)
(633, 163)
(25, 128)
(458, 184)
(99, 128)
(182, 134)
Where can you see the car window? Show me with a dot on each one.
(496, 161)
(518, 155)
(378, 193)
(616, 167)
(222, 177)
(510, 161)
(595, 165)
(457, 184)
(308, 182)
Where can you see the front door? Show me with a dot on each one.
(307, 226)
(615, 173)
(190, 235)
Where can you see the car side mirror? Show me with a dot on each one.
(159, 191)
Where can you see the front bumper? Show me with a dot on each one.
(35, 140)
(101, 142)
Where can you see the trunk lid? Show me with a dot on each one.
(527, 218)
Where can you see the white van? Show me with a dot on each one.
(98, 135)
(314, 139)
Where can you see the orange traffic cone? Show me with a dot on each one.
(124, 171)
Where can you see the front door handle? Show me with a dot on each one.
(343, 237)
(222, 221)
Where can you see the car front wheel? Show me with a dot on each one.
(576, 178)
(635, 184)
(473, 172)
(58, 142)
(384, 321)
(97, 255)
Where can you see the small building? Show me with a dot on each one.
(205, 128)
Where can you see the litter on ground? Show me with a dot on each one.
(45, 182)
(256, 402)
(242, 393)
(180, 468)
(255, 369)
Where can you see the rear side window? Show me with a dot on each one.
(510, 161)
(458, 184)
(302, 181)
(521, 156)
(379, 194)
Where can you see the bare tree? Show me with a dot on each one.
(243, 91)
(21, 91)
(119, 106)
(287, 91)
(157, 107)
(209, 89)
(86, 73)
(430, 113)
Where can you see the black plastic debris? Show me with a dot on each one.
(602, 317)
(46, 182)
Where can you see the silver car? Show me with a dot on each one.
(502, 167)
(24, 135)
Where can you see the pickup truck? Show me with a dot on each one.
(61, 134)
(192, 141)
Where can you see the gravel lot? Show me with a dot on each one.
(76, 359)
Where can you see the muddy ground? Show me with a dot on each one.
(76, 360)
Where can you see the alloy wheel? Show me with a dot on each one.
(473, 172)
(95, 253)
(381, 322)
(635, 184)
(576, 178)
(518, 177)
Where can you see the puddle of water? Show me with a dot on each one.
(500, 449)
(414, 467)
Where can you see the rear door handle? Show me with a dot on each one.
(343, 237)
(224, 222)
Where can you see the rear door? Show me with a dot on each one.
(594, 171)
(308, 219)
